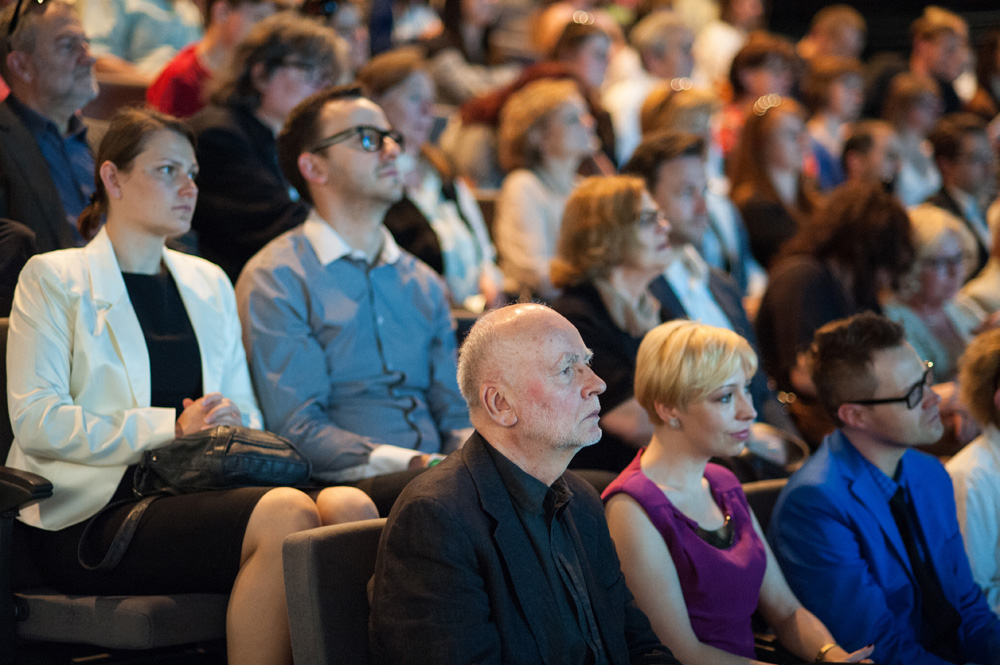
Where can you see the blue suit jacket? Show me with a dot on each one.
(838, 545)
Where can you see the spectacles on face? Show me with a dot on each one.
(943, 263)
(311, 73)
(372, 139)
(913, 397)
(16, 17)
(651, 218)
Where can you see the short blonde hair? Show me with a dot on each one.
(684, 110)
(681, 362)
(524, 114)
(978, 374)
(599, 229)
(930, 225)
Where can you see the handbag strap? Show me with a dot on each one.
(122, 538)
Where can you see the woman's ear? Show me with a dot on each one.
(111, 177)
(668, 414)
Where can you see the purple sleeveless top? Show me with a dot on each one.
(721, 587)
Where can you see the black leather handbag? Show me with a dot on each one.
(218, 458)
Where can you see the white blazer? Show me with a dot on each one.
(78, 381)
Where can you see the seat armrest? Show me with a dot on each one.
(19, 488)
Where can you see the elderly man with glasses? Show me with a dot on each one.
(866, 531)
(349, 337)
(46, 168)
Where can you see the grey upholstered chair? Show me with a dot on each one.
(326, 583)
(36, 613)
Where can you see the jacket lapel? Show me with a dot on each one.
(530, 587)
(115, 314)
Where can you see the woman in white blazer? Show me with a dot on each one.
(121, 346)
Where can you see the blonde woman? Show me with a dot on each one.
(690, 547)
(546, 132)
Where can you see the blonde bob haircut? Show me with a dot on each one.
(930, 225)
(978, 376)
(599, 229)
(682, 362)
(523, 117)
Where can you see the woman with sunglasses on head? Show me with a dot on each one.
(245, 201)
(117, 348)
(612, 243)
(692, 551)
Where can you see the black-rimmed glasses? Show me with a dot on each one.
(372, 139)
(913, 396)
(16, 17)
(648, 218)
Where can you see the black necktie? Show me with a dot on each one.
(940, 619)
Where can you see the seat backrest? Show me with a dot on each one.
(762, 495)
(326, 584)
(6, 433)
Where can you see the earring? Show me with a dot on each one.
(674, 423)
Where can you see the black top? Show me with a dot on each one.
(615, 352)
(174, 356)
(542, 511)
(769, 226)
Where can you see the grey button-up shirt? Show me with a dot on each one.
(352, 361)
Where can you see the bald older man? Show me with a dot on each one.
(496, 555)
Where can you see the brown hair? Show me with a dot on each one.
(761, 49)
(905, 90)
(671, 106)
(657, 150)
(598, 229)
(387, 70)
(126, 138)
(523, 114)
(979, 375)
(573, 37)
(823, 71)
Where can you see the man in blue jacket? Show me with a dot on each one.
(866, 531)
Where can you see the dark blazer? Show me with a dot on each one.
(17, 245)
(27, 193)
(946, 201)
(243, 198)
(457, 580)
(728, 297)
(836, 540)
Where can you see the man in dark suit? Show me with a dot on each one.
(968, 165)
(496, 555)
(46, 169)
(672, 164)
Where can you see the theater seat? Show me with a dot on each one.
(326, 584)
(36, 613)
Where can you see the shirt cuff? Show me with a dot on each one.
(383, 459)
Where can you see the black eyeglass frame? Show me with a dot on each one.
(914, 394)
(360, 131)
(16, 17)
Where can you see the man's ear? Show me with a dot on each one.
(312, 168)
(497, 406)
(852, 415)
(20, 65)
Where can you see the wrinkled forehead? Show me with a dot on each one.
(341, 114)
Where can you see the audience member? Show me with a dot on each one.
(179, 88)
(984, 288)
(612, 244)
(584, 48)
(672, 165)
(986, 102)
(545, 134)
(438, 219)
(550, 21)
(497, 542)
(347, 19)
(135, 39)
(835, 30)
(689, 543)
(91, 389)
(766, 170)
(718, 42)
(975, 470)
(871, 155)
(859, 244)
(349, 338)
(461, 59)
(245, 201)
(17, 245)
(865, 531)
(46, 168)
(470, 138)
(663, 43)
(833, 90)
(968, 166)
(936, 323)
(913, 106)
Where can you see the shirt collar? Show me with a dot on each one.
(527, 492)
(887, 486)
(36, 122)
(688, 263)
(330, 245)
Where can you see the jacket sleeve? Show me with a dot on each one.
(42, 344)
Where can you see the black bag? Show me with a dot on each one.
(219, 458)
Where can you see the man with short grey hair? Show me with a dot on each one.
(496, 555)
(46, 168)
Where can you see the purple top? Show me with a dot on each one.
(721, 587)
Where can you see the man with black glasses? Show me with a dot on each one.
(46, 168)
(866, 531)
(349, 337)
